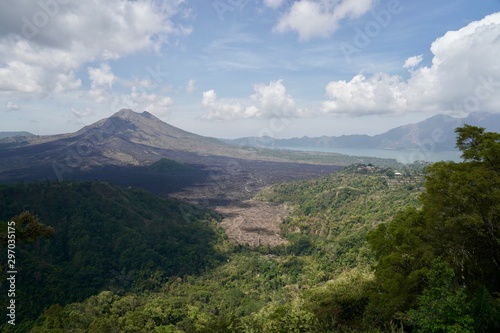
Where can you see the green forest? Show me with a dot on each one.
(369, 249)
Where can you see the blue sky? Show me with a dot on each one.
(234, 68)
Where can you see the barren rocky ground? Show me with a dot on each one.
(253, 222)
(229, 188)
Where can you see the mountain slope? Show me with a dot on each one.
(120, 149)
(106, 238)
(268, 289)
(4, 135)
(126, 138)
(435, 133)
(145, 129)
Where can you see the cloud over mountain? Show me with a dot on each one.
(270, 100)
(43, 45)
(312, 19)
(464, 76)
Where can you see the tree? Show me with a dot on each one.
(459, 222)
(403, 256)
(28, 228)
(479, 146)
(462, 201)
(442, 307)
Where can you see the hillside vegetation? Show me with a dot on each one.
(106, 238)
(252, 287)
(368, 249)
(331, 215)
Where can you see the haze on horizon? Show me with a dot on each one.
(231, 69)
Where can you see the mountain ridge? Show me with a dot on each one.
(125, 138)
(436, 133)
(122, 147)
(11, 134)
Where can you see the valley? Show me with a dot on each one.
(236, 166)
(133, 149)
(154, 229)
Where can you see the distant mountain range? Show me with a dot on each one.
(4, 135)
(138, 149)
(122, 148)
(436, 133)
(126, 138)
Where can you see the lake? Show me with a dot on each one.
(402, 156)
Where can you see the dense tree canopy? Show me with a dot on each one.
(28, 228)
(260, 290)
(459, 225)
(368, 249)
(103, 237)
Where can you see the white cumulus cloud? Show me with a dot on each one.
(273, 100)
(313, 18)
(101, 76)
(143, 97)
(101, 81)
(226, 111)
(464, 77)
(144, 94)
(270, 100)
(412, 62)
(362, 95)
(43, 44)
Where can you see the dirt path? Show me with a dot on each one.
(253, 222)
